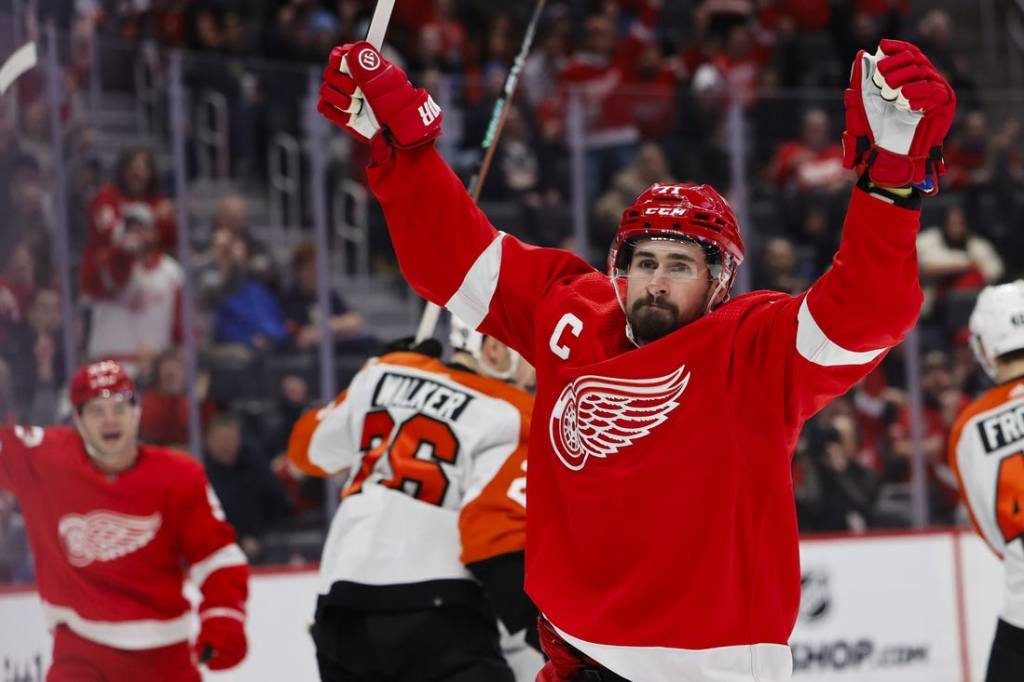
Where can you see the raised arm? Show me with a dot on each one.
(447, 249)
(818, 345)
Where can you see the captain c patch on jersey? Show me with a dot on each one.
(417, 393)
(1002, 428)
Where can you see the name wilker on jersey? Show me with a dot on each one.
(1002, 428)
(436, 400)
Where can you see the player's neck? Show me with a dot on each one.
(1009, 371)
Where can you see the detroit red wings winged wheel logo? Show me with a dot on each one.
(597, 416)
(104, 535)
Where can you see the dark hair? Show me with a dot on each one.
(153, 187)
(1012, 356)
(304, 253)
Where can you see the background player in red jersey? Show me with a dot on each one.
(986, 451)
(116, 528)
(427, 545)
(661, 537)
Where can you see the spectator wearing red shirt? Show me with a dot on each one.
(611, 133)
(134, 289)
(814, 162)
(943, 401)
(135, 183)
(164, 419)
(653, 84)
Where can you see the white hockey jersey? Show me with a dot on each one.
(987, 454)
(436, 480)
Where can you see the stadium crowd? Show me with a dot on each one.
(656, 80)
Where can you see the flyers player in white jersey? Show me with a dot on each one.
(661, 535)
(427, 544)
(986, 451)
(116, 528)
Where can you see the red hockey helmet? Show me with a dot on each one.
(680, 211)
(100, 379)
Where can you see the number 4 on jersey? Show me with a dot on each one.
(1010, 497)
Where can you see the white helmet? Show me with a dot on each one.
(997, 323)
(466, 339)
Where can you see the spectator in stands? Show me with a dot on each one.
(135, 182)
(28, 217)
(253, 499)
(306, 493)
(134, 289)
(35, 353)
(954, 259)
(165, 412)
(987, 167)
(649, 166)
(779, 269)
(440, 41)
(612, 134)
(247, 313)
(516, 174)
(812, 163)
(651, 84)
(935, 38)
(232, 214)
(943, 401)
(301, 312)
(17, 286)
(848, 488)
(546, 60)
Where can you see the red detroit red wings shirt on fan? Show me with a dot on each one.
(112, 552)
(661, 534)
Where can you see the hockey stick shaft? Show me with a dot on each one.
(432, 312)
(379, 23)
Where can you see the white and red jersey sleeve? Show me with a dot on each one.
(206, 541)
(816, 346)
(451, 254)
(986, 452)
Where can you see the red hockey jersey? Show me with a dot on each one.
(112, 552)
(661, 531)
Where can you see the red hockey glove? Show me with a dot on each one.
(364, 93)
(898, 111)
(221, 643)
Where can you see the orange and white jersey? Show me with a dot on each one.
(987, 454)
(436, 461)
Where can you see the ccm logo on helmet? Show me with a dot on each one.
(369, 60)
(664, 211)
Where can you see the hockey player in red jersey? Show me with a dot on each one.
(986, 451)
(433, 510)
(116, 527)
(661, 534)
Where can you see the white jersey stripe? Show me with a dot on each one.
(815, 346)
(127, 634)
(473, 299)
(226, 556)
(741, 663)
